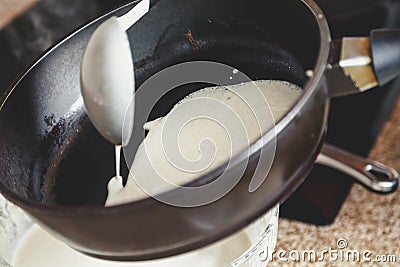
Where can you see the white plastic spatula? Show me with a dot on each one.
(107, 76)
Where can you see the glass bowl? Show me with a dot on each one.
(23, 243)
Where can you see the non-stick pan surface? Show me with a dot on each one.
(56, 166)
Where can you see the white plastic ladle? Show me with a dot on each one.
(107, 76)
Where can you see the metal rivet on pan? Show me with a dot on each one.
(309, 73)
(320, 16)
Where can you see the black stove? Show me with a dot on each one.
(354, 121)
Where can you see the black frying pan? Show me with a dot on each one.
(48, 145)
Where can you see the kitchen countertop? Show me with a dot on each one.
(366, 221)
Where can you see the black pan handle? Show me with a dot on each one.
(357, 64)
(385, 49)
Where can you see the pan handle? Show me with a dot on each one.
(374, 175)
(357, 64)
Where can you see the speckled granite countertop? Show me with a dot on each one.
(368, 222)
